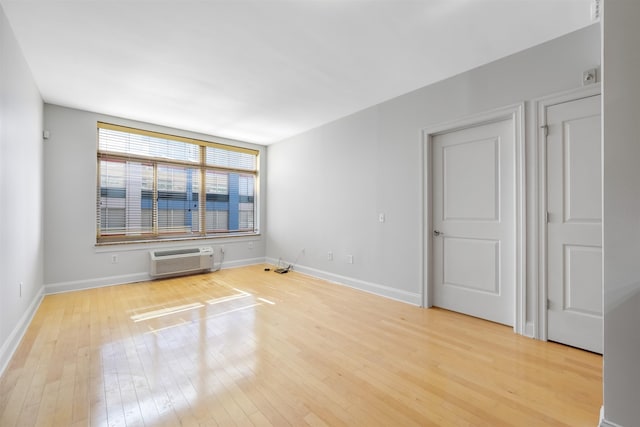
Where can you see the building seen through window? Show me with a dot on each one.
(150, 186)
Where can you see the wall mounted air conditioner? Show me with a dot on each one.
(177, 262)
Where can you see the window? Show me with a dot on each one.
(155, 186)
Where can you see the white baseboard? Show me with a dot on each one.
(79, 285)
(372, 288)
(243, 262)
(605, 423)
(529, 330)
(10, 346)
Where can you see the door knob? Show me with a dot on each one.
(437, 233)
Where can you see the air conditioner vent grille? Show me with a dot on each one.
(177, 265)
(180, 261)
(177, 252)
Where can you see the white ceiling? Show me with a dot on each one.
(262, 70)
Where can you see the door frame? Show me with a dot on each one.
(515, 113)
(540, 108)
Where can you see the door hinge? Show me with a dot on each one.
(547, 217)
(545, 129)
(548, 303)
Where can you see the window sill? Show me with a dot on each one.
(158, 243)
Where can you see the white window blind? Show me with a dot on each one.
(150, 186)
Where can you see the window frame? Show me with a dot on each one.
(202, 167)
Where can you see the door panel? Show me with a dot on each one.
(574, 231)
(470, 180)
(582, 181)
(582, 279)
(473, 210)
(472, 264)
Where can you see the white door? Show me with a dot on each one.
(574, 229)
(473, 214)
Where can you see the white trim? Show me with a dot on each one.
(10, 345)
(79, 285)
(540, 108)
(603, 422)
(516, 114)
(372, 288)
(137, 246)
(529, 329)
(243, 262)
(426, 224)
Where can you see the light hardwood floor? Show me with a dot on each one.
(249, 347)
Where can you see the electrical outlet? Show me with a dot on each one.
(350, 259)
(250, 245)
(381, 217)
(20, 289)
(114, 259)
(330, 256)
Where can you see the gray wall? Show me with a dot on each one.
(21, 208)
(72, 259)
(621, 216)
(327, 186)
